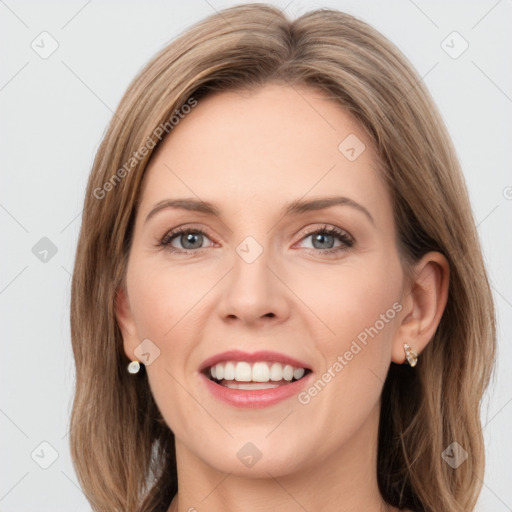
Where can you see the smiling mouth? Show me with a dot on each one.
(253, 376)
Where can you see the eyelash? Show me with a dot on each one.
(346, 239)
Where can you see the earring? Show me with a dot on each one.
(134, 367)
(410, 354)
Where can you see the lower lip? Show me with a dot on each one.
(255, 398)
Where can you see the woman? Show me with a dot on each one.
(279, 299)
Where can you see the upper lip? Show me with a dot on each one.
(261, 355)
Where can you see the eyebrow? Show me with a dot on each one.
(297, 207)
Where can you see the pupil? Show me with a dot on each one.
(321, 238)
(189, 239)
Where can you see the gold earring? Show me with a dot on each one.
(410, 354)
(134, 367)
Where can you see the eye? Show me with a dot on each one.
(185, 239)
(188, 239)
(324, 239)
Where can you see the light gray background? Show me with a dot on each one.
(54, 112)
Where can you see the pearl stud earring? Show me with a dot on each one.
(134, 367)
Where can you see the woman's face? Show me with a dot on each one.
(272, 270)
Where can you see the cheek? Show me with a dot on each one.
(353, 298)
(165, 299)
(168, 306)
(163, 306)
(359, 308)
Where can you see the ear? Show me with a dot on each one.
(424, 304)
(126, 322)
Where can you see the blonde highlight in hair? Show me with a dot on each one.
(121, 447)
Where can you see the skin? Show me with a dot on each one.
(250, 153)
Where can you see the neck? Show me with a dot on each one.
(344, 481)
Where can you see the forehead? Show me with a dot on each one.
(270, 145)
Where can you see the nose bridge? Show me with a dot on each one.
(252, 290)
(251, 276)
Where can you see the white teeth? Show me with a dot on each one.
(276, 371)
(261, 372)
(298, 373)
(288, 372)
(229, 371)
(242, 372)
(233, 384)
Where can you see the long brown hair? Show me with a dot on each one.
(122, 449)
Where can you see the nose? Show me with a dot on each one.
(254, 293)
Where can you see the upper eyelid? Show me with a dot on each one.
(192, 227)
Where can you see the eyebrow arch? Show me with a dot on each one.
(296, 207)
